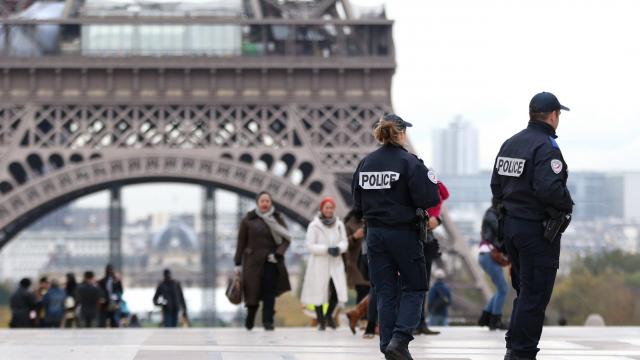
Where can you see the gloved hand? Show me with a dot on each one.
(334, 251)
(272, 258)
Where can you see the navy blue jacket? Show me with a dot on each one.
(530, 174)
(390, 184)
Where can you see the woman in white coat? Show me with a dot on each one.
(325, 275)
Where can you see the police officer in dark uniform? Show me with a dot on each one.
(530, 181)
(388, 187)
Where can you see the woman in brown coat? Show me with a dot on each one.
(263, 239)
(355, 236)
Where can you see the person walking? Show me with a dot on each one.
(492, 259)
(170, 297)
(23, 304)
(355, 278)
(263, 239)
(53, 305)
(112, 289)
(88, 296)
(530, 181)
(70, 304)
(325, 279)
(431, 253)
(392, 189)
(439, 300)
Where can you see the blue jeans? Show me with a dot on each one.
(398, 275)
(438, 320)
(495, 305)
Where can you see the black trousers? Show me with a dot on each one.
(534, 263)
(268, 283)
(361, 292)
(333, 299)
(108, 317)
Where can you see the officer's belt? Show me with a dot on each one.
(372, 223)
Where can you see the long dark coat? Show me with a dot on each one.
(354, 276)
(255, 243)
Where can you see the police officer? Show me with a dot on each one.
(530, 180)
(389, 185)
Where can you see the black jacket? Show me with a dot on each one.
(116, 288)
(22, 302)
(490, 227)
(88, 297)
(390, 184)
(171, 292)
(530, 174)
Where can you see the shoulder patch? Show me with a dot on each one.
(432, 176)
(556, 166)
(553, 142)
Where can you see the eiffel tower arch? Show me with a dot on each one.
(274, 95)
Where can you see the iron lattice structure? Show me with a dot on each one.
(289, 108)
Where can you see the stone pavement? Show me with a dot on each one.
(302, 344)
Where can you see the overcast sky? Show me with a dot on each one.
(484, 60)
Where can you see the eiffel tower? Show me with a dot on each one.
(239, 95)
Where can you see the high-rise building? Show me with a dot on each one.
(455, 149)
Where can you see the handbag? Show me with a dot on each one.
(234, 290)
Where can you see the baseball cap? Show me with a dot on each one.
(397, 119)
(545, 102)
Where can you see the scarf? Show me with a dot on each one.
(279, 232)
(327, 221)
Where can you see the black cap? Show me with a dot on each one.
(396, 119)
(545, 102)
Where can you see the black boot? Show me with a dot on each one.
(495, 323)
(484, 319)
(251, 317)
(398, 349)
(331, 322)
(322, 324)
(423, 329)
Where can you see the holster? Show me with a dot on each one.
(556, 224)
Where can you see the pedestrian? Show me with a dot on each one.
(439, 300)
(88, 297)
(112, 290)
(53, 305)
(70, 301)
(492, 259)
(530, 182)
(170, 297)
(263, 239)
(355, 278)
(431, 253)
(135, 322)
(43, 287)
(325, 279)
(23, 306)
(392, 188)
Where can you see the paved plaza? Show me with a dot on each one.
(302, 344)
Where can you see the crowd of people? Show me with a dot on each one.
(337, 262)
(90, 303)
(87, 304)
